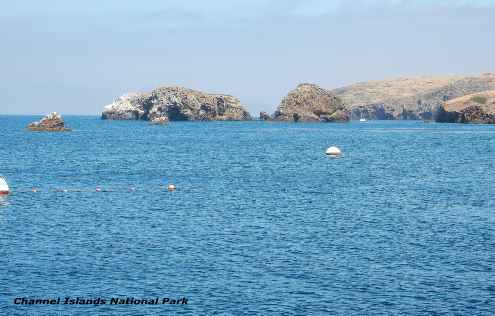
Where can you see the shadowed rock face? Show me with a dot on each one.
(472, 108)
(265, 116)
(176, 104)
(408, 98)
(371, 112)
(310, 103)
(53, 122)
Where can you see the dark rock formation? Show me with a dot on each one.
(408, 98)
(265, 116)
(310, 103)
(371, 112)
(53, 122)
(473, 108)
(176, 104)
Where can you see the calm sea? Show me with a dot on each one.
(262, 221)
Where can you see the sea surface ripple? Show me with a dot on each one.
(262, 221)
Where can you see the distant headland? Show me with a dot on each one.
(418, 98)
(456, 99)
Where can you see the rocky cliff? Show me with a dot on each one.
(53, 122)
(408, 98)
(310, 103)
(472, 108)
(175, 104)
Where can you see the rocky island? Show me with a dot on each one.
(310, 103)
(472, 108)
(176, 104)
(408, 98)
(439, 98)
(53, 122)
(413, 98)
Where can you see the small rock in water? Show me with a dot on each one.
(265, 116)
(161, 120)
(53, 122)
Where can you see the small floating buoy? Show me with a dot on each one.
(4, 187)
(98, 189)
(171, 187)
(34, 190)
(333, 151)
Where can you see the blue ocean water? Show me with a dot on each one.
(262, 221)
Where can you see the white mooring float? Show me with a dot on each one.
(4, 187)
(333, 151)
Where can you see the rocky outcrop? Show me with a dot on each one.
(408, 98)
(371, 112)
(53, 122)
(126, 107)
(159, 120)
(265, 116)
(176, 104)
(310, 103)
(472, 108)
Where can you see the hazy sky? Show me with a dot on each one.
(74, 57)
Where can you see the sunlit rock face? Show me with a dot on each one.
(409, 98)
(176, 104)
(311, 103)
(52, 122)
(472, 108)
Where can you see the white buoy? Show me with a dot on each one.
(4, 187)
(333, 151)
(171, 187)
